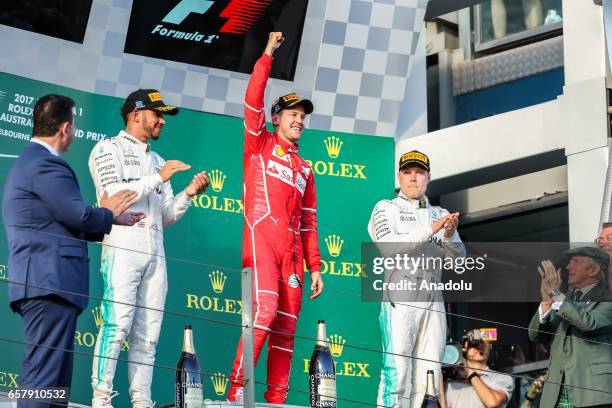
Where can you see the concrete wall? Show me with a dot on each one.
(576, 125)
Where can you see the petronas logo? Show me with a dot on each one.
(97, 315)
(336, 344)
(334, 245)
(219, 383)
(333, 145)
(217, 279)
(217, 179)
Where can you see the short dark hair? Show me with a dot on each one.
(124, 116)
(50, 112)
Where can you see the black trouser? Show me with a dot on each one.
(49, 324)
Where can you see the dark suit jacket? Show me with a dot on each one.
(46, 219)
(580, 351)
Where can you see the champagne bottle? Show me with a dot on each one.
(431, 399)
(322, 372)
(188, 387)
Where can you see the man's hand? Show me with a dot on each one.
(275, 39)
(438, 225)
(551, 279)
(118, 202)
(198, 184)
(129, 218)
(464, 370)
(316, 287)
(171, 168)
(450, 226)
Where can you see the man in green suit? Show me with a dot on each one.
(579, 326)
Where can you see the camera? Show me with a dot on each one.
(455, 353)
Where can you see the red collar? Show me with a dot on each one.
(288, 147)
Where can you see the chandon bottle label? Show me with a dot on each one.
(322, 373)
(188, 386)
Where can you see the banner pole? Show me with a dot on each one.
(247, 337)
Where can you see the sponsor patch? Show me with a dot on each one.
(154, 96)
(281, 172)
(294, 281)
(415, 156)
(407, 218)
(306, 171)
(300, 183)
(291, 97)
(280, 154)
(165, 108)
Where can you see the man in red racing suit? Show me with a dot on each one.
(280, 228)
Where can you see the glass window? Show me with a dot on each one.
(503, 21)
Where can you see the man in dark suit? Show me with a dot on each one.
(47, 225)
(579, 326)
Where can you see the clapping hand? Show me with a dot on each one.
(171, 167)
(450, 226)
(551, 279)
(198, 184)
(449, 222)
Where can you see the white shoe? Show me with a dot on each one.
(145, 406)
(103, 401)
(238, 395)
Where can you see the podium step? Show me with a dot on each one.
(6, 403)
(225, 404)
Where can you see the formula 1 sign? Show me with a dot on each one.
(225, 34)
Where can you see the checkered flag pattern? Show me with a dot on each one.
(356, 76)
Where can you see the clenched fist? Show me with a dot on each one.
(275, 39)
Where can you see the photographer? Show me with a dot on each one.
(475, 385)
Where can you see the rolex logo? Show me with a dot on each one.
(333, 145)
(217, 279)
(219, 383)
(97, 315)
(334, 245)
(336, 344)
(217, 178)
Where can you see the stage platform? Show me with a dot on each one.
(6, 403)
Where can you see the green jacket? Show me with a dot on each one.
(580, 351)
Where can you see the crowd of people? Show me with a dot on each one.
(48, 266)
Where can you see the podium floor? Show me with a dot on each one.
(6, 403)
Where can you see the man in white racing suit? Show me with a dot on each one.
(133, 263)
(413, 324)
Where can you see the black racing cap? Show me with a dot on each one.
(414, 157)
(147, 99)
(289, 101)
